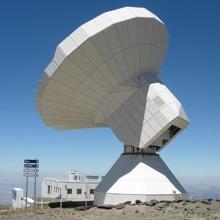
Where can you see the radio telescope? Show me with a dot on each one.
(106, 74)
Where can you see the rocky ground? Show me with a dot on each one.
(163, 210)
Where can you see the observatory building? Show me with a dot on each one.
(106, 74)
(74, 188)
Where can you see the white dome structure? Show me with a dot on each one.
(106, 74)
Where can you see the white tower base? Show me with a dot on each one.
(138, 176)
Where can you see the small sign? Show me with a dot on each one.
(31, 161)
(32, 174)
(31, 170)
(31, 165)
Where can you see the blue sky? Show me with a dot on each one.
(30, 31)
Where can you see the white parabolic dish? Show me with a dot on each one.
(98, 67)
(96, 58)
(105, 74)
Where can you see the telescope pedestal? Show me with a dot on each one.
(138, 176)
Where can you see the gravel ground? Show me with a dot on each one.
(196, 210)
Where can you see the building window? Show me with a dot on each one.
(14, 194)
(48, 189)
(69, 191)
(79, 191)
(91, 191)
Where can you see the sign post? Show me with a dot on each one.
(35, 192)
(31, 169)
(26, 193)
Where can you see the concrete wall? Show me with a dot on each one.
(138, 177)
